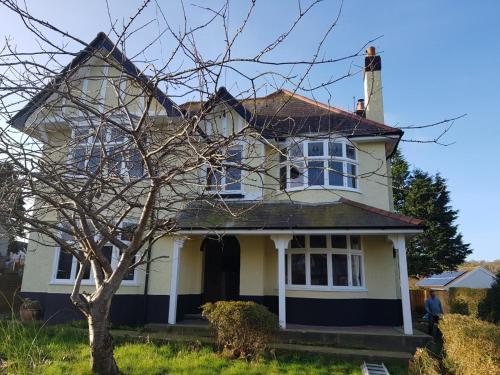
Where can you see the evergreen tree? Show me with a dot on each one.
(419, 194)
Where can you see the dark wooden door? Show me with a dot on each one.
(222, 269)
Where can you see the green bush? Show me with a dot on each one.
(466, 301)
(489, 307)
(243, 329)
(471, 346)
(423, 363)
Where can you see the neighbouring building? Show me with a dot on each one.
(322, 247)
(475, 278)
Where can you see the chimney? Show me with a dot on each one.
(360, 108)
(373, 86)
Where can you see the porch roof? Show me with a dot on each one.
(343, 214)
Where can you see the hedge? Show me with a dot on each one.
(466, 301)
(471, 346)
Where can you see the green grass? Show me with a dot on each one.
(33, 349)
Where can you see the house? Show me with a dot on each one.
(316, 239)
(475, 278)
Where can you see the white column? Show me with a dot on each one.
(174, 280)
(400, 245)
(281, 243)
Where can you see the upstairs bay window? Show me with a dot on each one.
(105, 150)
(319, 163)
(333, 262)
(226, 178)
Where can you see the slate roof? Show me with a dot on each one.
(284, 113)
(343, 214)
(101, 41)
(441, 279)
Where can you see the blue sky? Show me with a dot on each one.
(440, 59)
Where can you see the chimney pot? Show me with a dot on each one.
(360, 108)
(371, 51)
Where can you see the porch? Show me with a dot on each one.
(329, 276)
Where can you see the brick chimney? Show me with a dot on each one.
(373, 86)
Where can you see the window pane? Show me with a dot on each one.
(356, 270)
(298, 242)
(356, 242)
(316, 173)
(107, 251)
(214, 178)
(319, 270)
(283, 178)
(117, 135)
(339, 268)
(335, 173)
(129, 275)
(297, 175)
(95, 159)
(86, 274)
(351, 176)
(339, 242)
(350, 152)
(81, 134)
(317, 242)
(315, 149)
(134, 164)
(335, 149)
(64, 264)
(233, 178)
(298, 269)
(283, 153)
(79, 158)
(127, 232)
(115, 161)
(296, 150)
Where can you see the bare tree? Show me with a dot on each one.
(106, 157)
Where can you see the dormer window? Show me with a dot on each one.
(227, 177)
(319, 163)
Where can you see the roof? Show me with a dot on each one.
(100, 42)
(441, 279)
(445, 279)
(342, 214)
(285, 113)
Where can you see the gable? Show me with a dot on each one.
(88, 63)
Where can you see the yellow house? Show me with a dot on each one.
(315, 238)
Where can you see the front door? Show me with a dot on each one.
(222, 269)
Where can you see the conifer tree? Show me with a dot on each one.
(420, 194)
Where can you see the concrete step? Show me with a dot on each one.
(367, 340)
(347, 353)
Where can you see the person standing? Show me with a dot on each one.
(434, 310)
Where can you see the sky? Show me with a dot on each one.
(440, 60)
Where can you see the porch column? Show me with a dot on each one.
(281, 243)
(174, 280)
(400, 245)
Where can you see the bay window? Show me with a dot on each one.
(325, 262)
(319, 163)
(107, 149)
(66, 266)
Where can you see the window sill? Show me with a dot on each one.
(315, 288)
(342, 188)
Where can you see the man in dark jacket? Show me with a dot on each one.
(434, 310)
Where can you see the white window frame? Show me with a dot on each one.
(325, 158)
(329, 251)
(115, 257)
(88, 144)
(221, 188)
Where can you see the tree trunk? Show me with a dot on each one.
(101, 342)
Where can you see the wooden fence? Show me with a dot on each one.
(419, 296)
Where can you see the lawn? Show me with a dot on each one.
(64, 350)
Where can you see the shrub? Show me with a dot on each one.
(471, 346)
(466, 301)
(423, 363)
(243, 329)
(489, 308)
